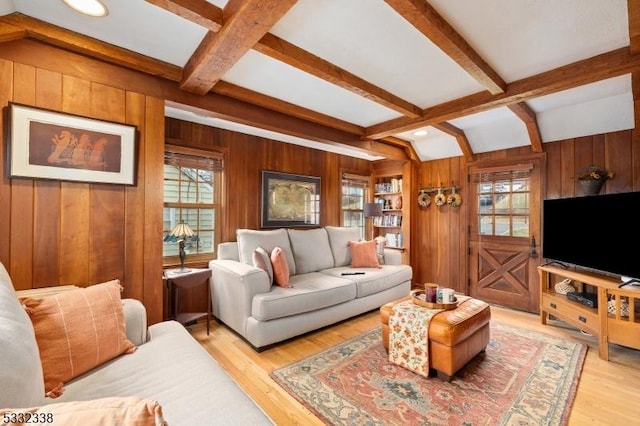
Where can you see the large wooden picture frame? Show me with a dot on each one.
(290, 200)
(44, 144)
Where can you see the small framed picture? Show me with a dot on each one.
(290, 200)
(44, 144)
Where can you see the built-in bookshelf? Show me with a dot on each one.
(388, 192)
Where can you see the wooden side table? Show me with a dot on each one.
(177, 281)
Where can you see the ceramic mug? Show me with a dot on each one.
(448, 296)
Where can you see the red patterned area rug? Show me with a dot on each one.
(523, 378)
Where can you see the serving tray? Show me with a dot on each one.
(419, 298)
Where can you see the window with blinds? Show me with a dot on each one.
(192, 194)
(503, 200)
(354, 196)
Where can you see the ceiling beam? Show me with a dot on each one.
(461, 138)
(281, 50)
(429, 22)
(57, 36)
(600, 67)
(11, 32)
(245, 22)
(406, 145)
(255, 98)
(290, 54)
(528, 117)
(200, 12)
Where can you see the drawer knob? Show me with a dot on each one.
(553, 305)
(583, 319)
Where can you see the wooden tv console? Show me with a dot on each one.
(606, 327)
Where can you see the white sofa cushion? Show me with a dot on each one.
(250, 239)
(175, 370)
(21, 373)
(339, 238)
(374, 280)
(311, 250)
(310, 292)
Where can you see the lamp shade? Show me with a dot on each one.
(372, 209)
(179, 232)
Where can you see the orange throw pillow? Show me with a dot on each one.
(116, 411)
(363, 254)
(280, 267)
(77, 330)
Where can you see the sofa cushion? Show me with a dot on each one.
(311, 250)
(310, 291)
(363, 254)
(175, 370)
(78, 330)
(249, 240)
(339, 238)
(21, 373)
(262, 260)
(374, 280)
(104, 412)
(280, 268)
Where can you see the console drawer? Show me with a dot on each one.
(582, 317)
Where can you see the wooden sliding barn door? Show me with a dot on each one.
(504, 223)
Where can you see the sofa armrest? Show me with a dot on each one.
(233, 285)
(392, 257)
(135, 316)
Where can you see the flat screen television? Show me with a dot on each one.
(598, 232)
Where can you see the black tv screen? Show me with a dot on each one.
(597, 232)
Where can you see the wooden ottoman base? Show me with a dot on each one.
(455, 336)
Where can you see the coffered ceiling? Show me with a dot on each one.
(360, 77)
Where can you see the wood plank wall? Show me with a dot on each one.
(248, 156)
(58, 233)
(438, 243)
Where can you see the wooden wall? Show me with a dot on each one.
(438, 244)
(57, 233)
(248, 156)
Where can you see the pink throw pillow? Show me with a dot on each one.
(363, 254)
(280, 267)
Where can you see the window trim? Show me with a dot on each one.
(219, 155)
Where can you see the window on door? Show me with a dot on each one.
(504, 203)
(192, 195)
(354, 195)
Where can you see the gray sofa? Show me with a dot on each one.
(169, 366)
(262, 313)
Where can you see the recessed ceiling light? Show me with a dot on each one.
(88, 7)
(419, 133)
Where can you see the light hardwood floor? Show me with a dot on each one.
(608, 392)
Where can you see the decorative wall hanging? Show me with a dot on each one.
(424, 200)
(290, 200)
(440, 198)
(44, 144)
(454, 199)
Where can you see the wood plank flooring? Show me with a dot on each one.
(608, 392)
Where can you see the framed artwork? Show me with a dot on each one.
(290, 200)
(44, 144)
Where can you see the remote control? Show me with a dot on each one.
(353, 273)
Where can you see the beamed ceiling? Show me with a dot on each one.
(360, 77)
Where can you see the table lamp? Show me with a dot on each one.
(372, 210)
(179, 233)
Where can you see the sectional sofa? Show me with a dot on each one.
(169, 374)
(245, 298)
